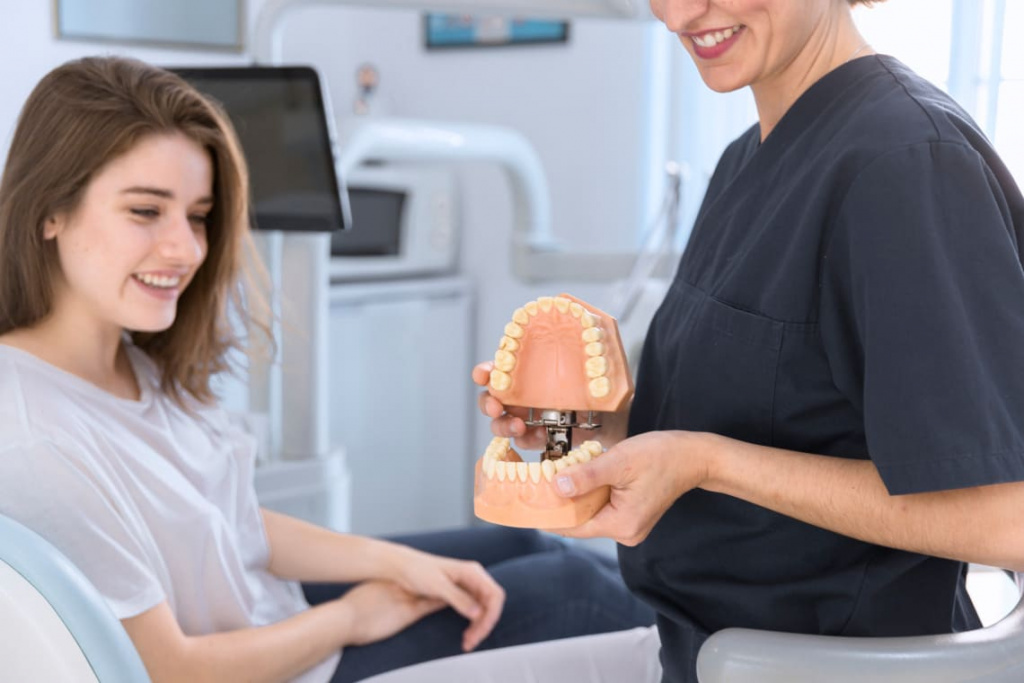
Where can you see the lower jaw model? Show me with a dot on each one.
(560, 358)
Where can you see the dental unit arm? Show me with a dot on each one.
(562, 360)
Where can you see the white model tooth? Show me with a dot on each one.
(561, 464)
(582, 455)
(594, 448)
(535, 472)
(575, 309)
(719, 36)
(499, 471)
(531, 307)
(600, 387)
(508, 344)
(513, 330)
(587, 320)
(562, 304)
(521, 317)
(547, 468)
(572, 458)
(594, 349)
(593, 334)
(523, 470)
(500, 381)
(504, 360)
(545, 303)
(597, 367)
(498, 446)
(489, 465)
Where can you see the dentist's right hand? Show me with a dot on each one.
(510, 421)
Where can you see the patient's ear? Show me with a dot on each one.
(54, 225)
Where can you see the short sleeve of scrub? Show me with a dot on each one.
(97, 539)
(922, 318)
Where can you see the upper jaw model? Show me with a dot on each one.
(563, 360)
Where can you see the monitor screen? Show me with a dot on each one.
(281, 122)
(379, 215)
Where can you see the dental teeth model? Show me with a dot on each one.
(560, 358)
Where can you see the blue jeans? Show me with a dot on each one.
(554, 590)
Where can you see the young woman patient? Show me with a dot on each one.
(123, 221)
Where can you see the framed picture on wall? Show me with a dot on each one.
(444, 31)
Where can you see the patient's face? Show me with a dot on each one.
(135, 241)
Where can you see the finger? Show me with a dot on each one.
(461, 601)
(508, 426)
(584, 478)
(490, 406)
(492, 596)
(482, 372)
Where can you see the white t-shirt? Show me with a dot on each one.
(149, 502)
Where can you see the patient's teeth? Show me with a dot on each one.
(508, 344)
(594, 349)
(547, 468)
(531, 308)
(504, 361)
(523, 470)
(499, 470)
(521, 316)
(535, 472)
(513, 330)
(597, 367)
(545, 303)
(594, 448)
(575, 309)
(600, 387)
(500, 381)
(562, 304)
(593, 334)
(587, 320)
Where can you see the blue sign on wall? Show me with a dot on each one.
(461, 30)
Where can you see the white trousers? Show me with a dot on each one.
(604, 658)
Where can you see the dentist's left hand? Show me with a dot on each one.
(465, 586)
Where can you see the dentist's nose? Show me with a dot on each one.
(677, 15)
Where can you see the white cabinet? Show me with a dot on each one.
(402, 401)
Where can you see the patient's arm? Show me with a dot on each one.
(278, 652)
(301, 551)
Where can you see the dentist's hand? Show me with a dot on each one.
(647, 474)
(509, 421)
(465, 586)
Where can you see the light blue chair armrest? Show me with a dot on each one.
(988, 655)
(99, 634)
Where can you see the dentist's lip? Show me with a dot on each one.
(713, 43)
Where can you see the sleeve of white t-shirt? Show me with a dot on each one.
(62, 499)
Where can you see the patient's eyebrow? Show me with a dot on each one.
(160, 192)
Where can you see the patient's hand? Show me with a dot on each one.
(465, 586)
(380, 609)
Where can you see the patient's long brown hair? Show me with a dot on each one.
(81, 116)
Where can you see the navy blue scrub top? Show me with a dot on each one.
(852, 287)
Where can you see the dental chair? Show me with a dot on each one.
(994, 654)
(54, 626)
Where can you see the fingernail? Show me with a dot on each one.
(565, 485)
